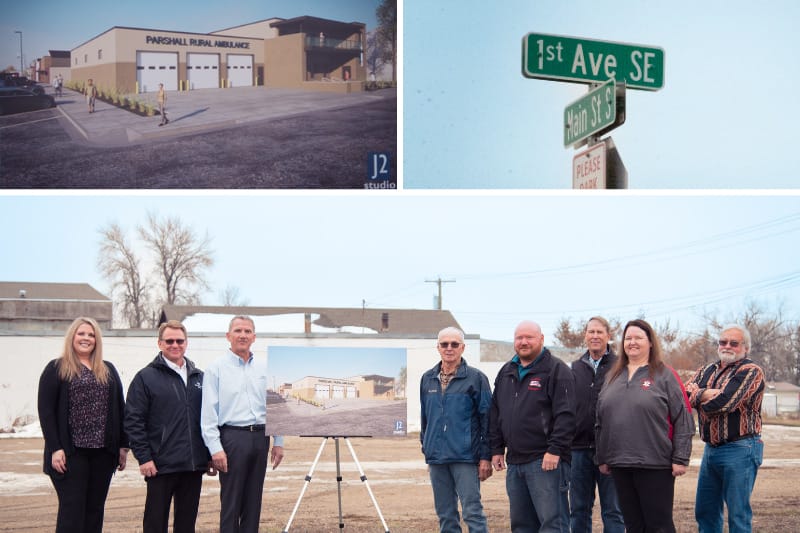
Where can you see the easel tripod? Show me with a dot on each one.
(338, 482)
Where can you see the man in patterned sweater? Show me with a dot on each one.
(727, 396)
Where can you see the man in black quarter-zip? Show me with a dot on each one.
(531, 426)
(162, 417)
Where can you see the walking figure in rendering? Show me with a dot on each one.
(91, 94)
(162, 104)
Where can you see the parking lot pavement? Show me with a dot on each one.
(200, 110)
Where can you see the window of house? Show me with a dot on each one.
(100, 54)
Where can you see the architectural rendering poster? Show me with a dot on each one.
(336, 391)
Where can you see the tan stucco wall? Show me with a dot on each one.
(285, 60)
(117, 68)
(341, 87)
(260, 29)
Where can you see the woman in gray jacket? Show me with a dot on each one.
(644, 430)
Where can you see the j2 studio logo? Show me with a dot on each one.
(379, 171)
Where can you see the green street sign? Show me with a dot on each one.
(590, 113)
(555, 57)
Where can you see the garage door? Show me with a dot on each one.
(202, 71)
(322, 392)
(240, 70)
(153, 68)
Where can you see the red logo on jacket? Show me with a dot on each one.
(646, 383)
(535, 384)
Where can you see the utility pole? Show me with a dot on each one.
(439, 282)
(21, 67)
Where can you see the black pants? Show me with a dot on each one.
(242, 486)
(184, 487)
(645, 498)
(82, 490)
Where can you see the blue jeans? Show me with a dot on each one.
(452, 482)
(538, 499)
(727, 475)
(585, 474)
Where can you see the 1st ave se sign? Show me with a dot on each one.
(590, 113)
(555, 57)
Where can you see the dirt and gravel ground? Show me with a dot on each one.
(396, 474)
(337, 417)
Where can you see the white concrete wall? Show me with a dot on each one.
(26, 356)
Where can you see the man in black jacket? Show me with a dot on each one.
(532, 422)
(162, 418)
(590, 373)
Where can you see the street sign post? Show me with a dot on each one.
(589, 168)
(560, 58)
(590, 113)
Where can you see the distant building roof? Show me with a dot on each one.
(60, 54)
(314, 25)
(395, 321)
(782, 386)
(16, 290)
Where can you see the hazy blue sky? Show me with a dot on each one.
(63, 25)
(540, 257)
(287, 364)
(725, 118)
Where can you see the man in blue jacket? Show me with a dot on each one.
(455, 400)
(531, 426)
(162, 419)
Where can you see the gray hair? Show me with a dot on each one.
(241, 317)
(745, 333)
(451, 331)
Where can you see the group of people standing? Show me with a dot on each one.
(620, 422)
(179, 422)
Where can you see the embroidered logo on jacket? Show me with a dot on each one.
(646, 383)
(535, 384)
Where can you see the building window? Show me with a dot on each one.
(85, 58)
(100, 54)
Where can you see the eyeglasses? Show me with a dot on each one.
(444, 345)
(170, 342)
(733, 344)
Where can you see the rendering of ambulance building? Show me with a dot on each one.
(299, 53)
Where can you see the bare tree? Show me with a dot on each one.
(796, 350)
(377, 54)
(119, 264)
(567, 336)
(400, 384)
(181, 258)
(230, 296)
(386, 14)
(772, 344)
